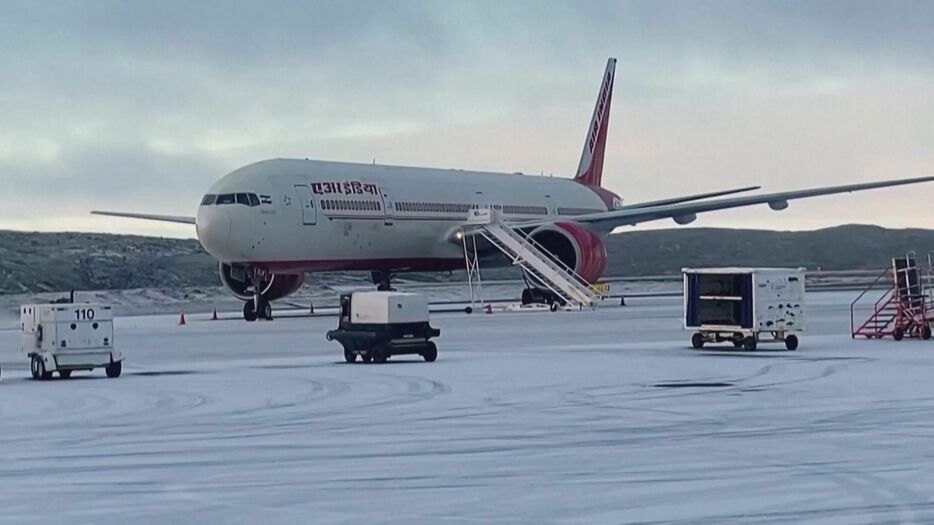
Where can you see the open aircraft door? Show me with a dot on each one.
(307, 200)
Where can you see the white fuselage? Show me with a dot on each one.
(308, 215)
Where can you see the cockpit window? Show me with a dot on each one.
(226, 198)
(247, 199)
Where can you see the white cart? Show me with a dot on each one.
(66, 337)
(744, 306)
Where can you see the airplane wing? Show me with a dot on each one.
(688, 198)
(686, 212)
(147, 216)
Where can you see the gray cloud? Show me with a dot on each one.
(143, 104)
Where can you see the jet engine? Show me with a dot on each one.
(574, 245)
(237, 279)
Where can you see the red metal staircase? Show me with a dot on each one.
(903, 311)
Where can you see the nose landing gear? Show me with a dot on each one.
(251, 313)
(258, 307)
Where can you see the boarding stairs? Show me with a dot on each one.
(904, 310)
(537, 263)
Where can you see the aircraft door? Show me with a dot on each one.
(307, 200)
(389, 206)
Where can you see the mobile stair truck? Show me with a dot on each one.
(744, 306)
(64, 337)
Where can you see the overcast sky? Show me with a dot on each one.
(142, 105)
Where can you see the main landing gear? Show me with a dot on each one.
(535, 295)
(382, 280)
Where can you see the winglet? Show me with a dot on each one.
(590, 169)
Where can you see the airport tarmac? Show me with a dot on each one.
(568, 417)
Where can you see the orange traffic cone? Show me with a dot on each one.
(181, 318)
(214, 315)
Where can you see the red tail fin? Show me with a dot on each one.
(590, 169)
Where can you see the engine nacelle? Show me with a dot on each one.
(237, 280)
(574, 245)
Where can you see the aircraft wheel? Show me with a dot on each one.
(526, 296)
(697, 340)
(349, 356)
(249, 311)
(553, 307)
(64, 374)
(750, 343)
(114, 369)
(430, 353)
(266, 309)
(366, 358)
(791, 342)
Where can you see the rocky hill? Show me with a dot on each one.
(43, 262)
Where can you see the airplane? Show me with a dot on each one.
(271, 222)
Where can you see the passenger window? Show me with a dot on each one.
(254, 200)
(208, 199)
(226, 198)
(243, 199)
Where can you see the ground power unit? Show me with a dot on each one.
(379, 325)
(744, 306)
(65, 337)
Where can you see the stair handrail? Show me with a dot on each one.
(517, 259)
(561, 266)
(863, 293)
(576, 283)
(544, 254)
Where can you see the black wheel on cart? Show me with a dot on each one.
(738, 343)
(553, 307)
(750, 343)
(791, 342)
(697, 340)
(114, 369)
(41, 372)
(379, 354)
(34, 367)
(898, 334)
(925, 332)
(64, 374)
(349, 356)
(430, 353)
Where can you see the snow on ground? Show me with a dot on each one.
(568, 417)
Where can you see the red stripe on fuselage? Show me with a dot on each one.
(421, 264)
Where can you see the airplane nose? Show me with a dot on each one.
(213, 227)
